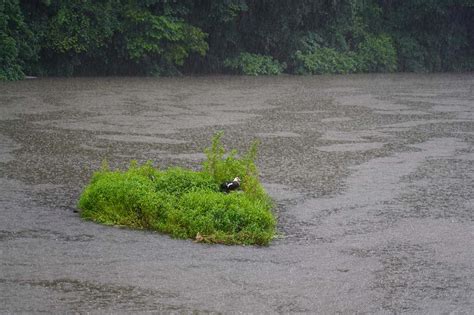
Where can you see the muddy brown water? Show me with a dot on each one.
(373, 177)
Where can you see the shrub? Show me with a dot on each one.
(185, 203)
(411, 55)
(9, 67)
(374, 54)
(309, 42)
(324, 61)
(377, 54)
(254, 64)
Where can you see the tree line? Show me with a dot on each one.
(255, 37)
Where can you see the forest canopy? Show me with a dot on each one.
(255, 37)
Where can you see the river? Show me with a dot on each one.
(373, 178)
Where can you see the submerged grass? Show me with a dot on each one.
(185, 203)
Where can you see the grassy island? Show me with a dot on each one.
(185, 203)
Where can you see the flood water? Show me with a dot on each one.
(373, 177)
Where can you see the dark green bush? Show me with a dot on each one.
(377, 54)
(9, 67)
(411, 55)
(17, 47)
(148, 35)
(374, 54)
(254, 64)
(324, 61)
(185, 203)
(309, 42)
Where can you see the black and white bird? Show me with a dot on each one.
(228, 186)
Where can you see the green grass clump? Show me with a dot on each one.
(185, 203)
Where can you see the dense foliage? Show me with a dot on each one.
(16, 46)
(162, 37)
(325, 60)
(254, 64)
(185, 203)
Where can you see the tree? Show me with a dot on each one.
(15, 51)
